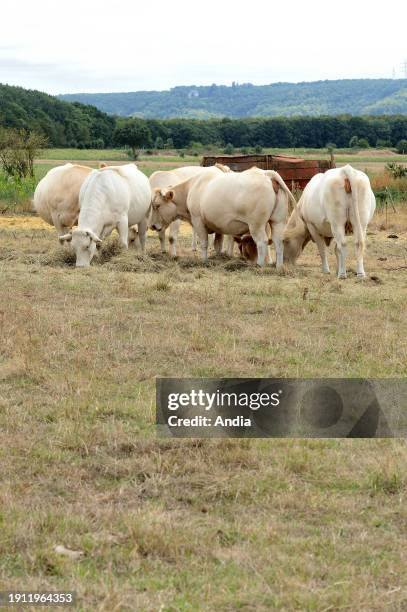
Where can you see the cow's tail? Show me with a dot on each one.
(278, 179)
(350, 185)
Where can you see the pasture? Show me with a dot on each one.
(162, 524)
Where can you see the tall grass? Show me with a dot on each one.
(15, 193)
(386, 187)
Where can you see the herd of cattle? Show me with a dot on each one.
(251, 208)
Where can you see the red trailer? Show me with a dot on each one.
(295, 171)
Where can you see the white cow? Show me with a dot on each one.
(163, 179)
(112, 197)
(56, 197)
(333, 204)
(229, 203)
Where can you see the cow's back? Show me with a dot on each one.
(58, 192)
(139, 191)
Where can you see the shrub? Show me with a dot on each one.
(258, 149)
(396, 170)
(363, 143)
(354, 142)
(401, 147)
(18, 150)
(229, 149)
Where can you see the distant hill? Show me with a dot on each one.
(351, 96)
(63, 123)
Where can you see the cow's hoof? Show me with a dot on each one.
(361, 276)
(341, 276)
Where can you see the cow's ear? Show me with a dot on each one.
(102, 165)
(65, 238)
(168, 194)
(93, 237)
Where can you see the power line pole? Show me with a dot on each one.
(404, 68)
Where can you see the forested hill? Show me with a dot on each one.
(352, 96)
(63, 123)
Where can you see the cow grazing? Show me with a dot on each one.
(112, 197)
(164, 212)
(56, 197)
(229, 203)
(333, 204)
(247, 246)
(164, 180)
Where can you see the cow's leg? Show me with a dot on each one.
(60, 226)
(260, 238)
(277, 231)
(230, 246)
(161, 236)
(359, 250)
(202, 234)
(340, 252)
(123, 230)
(217, 243)
(174, 229)
(142, 232)
(320, 242)
(134, 240)
(194, 241)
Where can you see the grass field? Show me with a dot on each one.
(193, 525)
(160, 524)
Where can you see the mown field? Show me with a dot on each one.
(160, 524)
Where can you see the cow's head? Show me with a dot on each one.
(163, 209)
(84, 244)
(248, 248)
(296, 237)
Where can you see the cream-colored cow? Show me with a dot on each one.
(333, 204)
(229, 204)
(163, 179)
(56, 197)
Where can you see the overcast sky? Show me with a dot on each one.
(100, 46)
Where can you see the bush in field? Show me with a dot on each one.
(159, 143)
(229, 149)
(258, 149)
(363, 143)
(354, 142)
(169, 143)
(402, 147)
(330, 146)
(396, 170)
(18, 150)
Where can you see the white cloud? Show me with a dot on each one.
(103, 46)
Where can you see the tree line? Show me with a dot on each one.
(280, 132)
(66, 124)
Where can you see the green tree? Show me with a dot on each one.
(402, 146)
(132, 133)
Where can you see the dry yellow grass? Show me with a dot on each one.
(193, 525)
